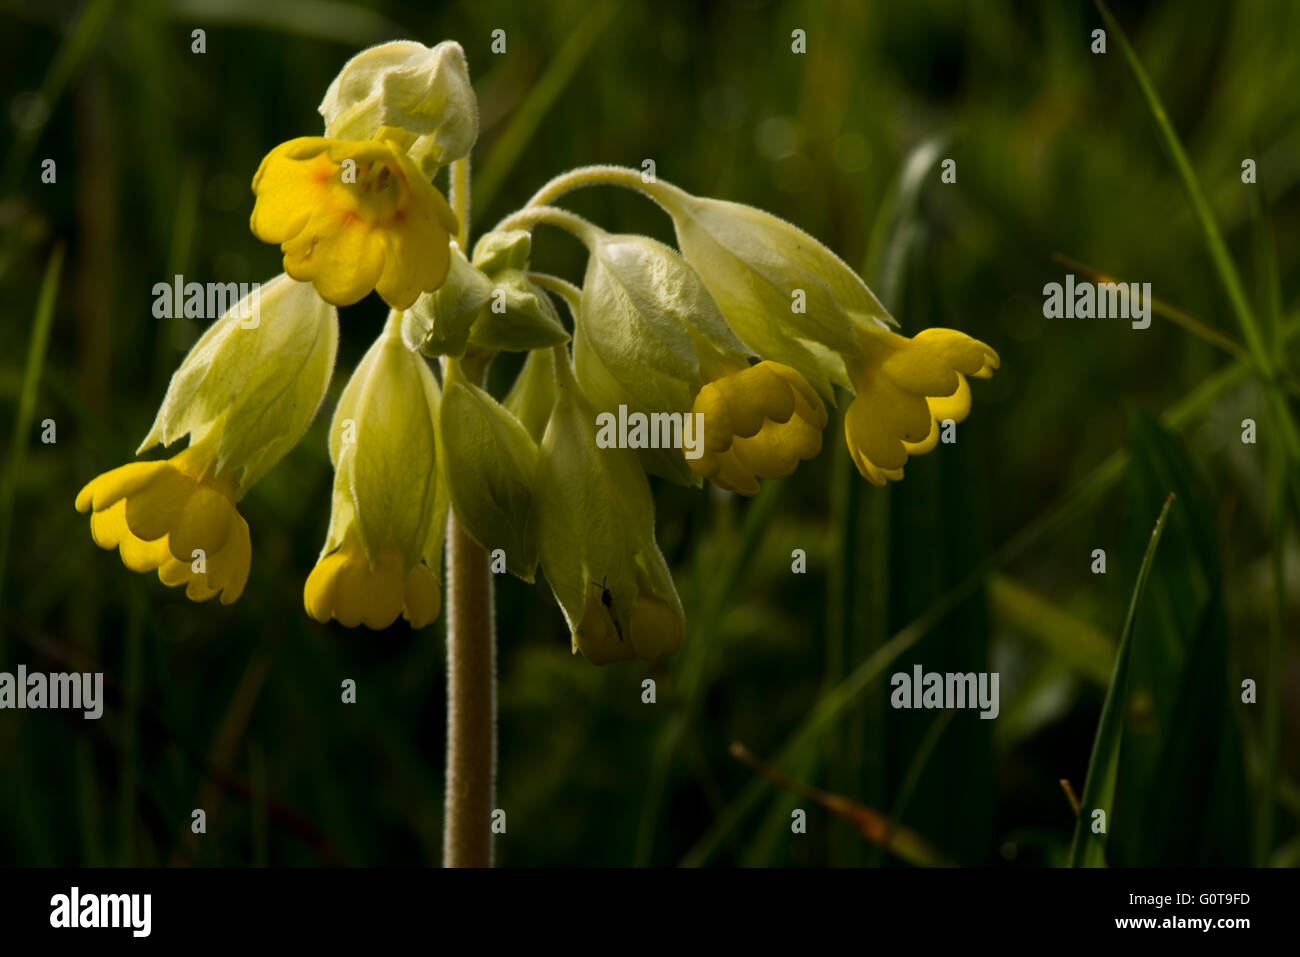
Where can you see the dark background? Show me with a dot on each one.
(237, 709)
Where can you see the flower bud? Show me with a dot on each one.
(503, 249)
(518, 316)
(405, 86)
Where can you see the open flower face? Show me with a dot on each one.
(352, 216)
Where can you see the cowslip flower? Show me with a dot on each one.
(760, 421)
(354, 210)
(382, 551)
(244, 395)
(352, 216)
(650, 336)
(595, 533)
(799, 304)
(905, 390)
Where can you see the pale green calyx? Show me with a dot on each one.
(490, 483)
(420, 96)
(517, 316)
(532, 397)
(595, 534)
(255, 379)
(384, 421)
(787, 295)
(648, 336)
(503, 249)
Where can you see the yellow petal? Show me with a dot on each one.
(654, 629)
(759, 422)
(322, 584)
(955, 406)
(103, 490)
(919, 371)
(423, 599)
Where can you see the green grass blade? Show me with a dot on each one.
(1173, 148)
(1089, 849)
(26, 408)
(1218, 249)
(881, 830)
(827, 710)
(510, 144)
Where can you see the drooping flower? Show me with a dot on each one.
(789, 297)
(352, 216)
(595, 533)
(759, 422)
(796, 302)
(905, 390)
(244, 395)
(383, 549)
(175, 517)
(649, 336)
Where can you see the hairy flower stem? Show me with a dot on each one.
(471, 662)
(529, 217)
(597, 176)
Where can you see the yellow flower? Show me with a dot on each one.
(244, 395)
(175, 516)
(596, 537)
(388, 516)
(352, 216)
(347, 586)
(905, 389)
(759, 422)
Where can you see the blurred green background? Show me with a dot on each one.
(979, 560)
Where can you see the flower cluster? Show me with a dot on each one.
(749, 325)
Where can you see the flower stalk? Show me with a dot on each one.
(471, 660)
